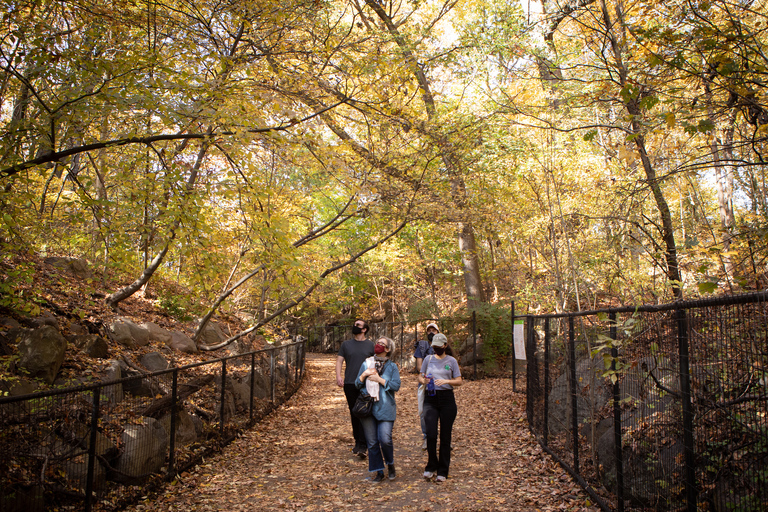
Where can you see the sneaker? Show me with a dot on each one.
(441, 478)
(376, 479)
(429, 474)
(360, 450)
(391, 471)
(424, 445)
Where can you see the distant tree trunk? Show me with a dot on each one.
(672, 270)
(115, 298)
(467, 245)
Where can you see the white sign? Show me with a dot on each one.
(519, 339)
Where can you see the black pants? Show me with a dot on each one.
(439, 408)
(351, 392)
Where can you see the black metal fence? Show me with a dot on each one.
(99, 446)
(656, 407)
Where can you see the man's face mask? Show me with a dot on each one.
(430, 336)
(356, 329)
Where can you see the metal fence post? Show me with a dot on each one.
(474, 344)
(514, 356)
(285, 361)
(574, 396)
(685, 388)
(223, 400)
(253, 382)
(617, 442)
(546, 381)
(530, 349)
(174, 414)
(92, 449)
(272, 375)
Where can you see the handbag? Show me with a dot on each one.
(363, 406)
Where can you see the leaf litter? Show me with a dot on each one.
(300, 458)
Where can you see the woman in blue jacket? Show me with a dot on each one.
(379, 377)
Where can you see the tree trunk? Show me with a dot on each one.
(469, 259)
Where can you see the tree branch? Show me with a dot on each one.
(58, 155)
(297, 300)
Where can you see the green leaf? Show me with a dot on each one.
(707, 286)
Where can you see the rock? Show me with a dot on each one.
(212, 334)
(650, 450)
(186, 432)
(127, 333)
(79, 438)
(139, 386)
(23, 498)
(47, 319)
(76, 266)
(9, 323)
(154, 362)
(41, 353)
(181, 342)
(590, 396)
(19, 387)
(240, 386)
(77, 329)
(145, 447)
(157, 333)
(114, 392)
(469, 357)
(91, 344)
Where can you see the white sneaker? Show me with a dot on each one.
(429, 474)
(441, 478)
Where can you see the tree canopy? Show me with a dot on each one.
(393, 159)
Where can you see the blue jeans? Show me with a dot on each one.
(378, 436)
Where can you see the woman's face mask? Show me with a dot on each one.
(379, 349)
(439, 350)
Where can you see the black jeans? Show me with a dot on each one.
(351, 392)
(442, 408)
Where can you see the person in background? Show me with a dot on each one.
(440, 408)
(379, 377)
(353, 352)
(422, 350)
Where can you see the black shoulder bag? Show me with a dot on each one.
(364, 404)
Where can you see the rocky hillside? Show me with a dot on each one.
(56, 330)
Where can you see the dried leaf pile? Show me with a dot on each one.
(300, 458)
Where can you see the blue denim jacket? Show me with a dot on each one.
(385, 409)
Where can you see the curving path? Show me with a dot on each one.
(300, 458)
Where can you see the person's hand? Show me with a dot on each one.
(339, 381)
(440, 382)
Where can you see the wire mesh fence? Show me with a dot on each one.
(657, 407)
(97, 447)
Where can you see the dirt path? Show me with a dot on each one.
(300, 458)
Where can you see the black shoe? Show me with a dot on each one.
(391, 471)
(360, 450)
(377, 479)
